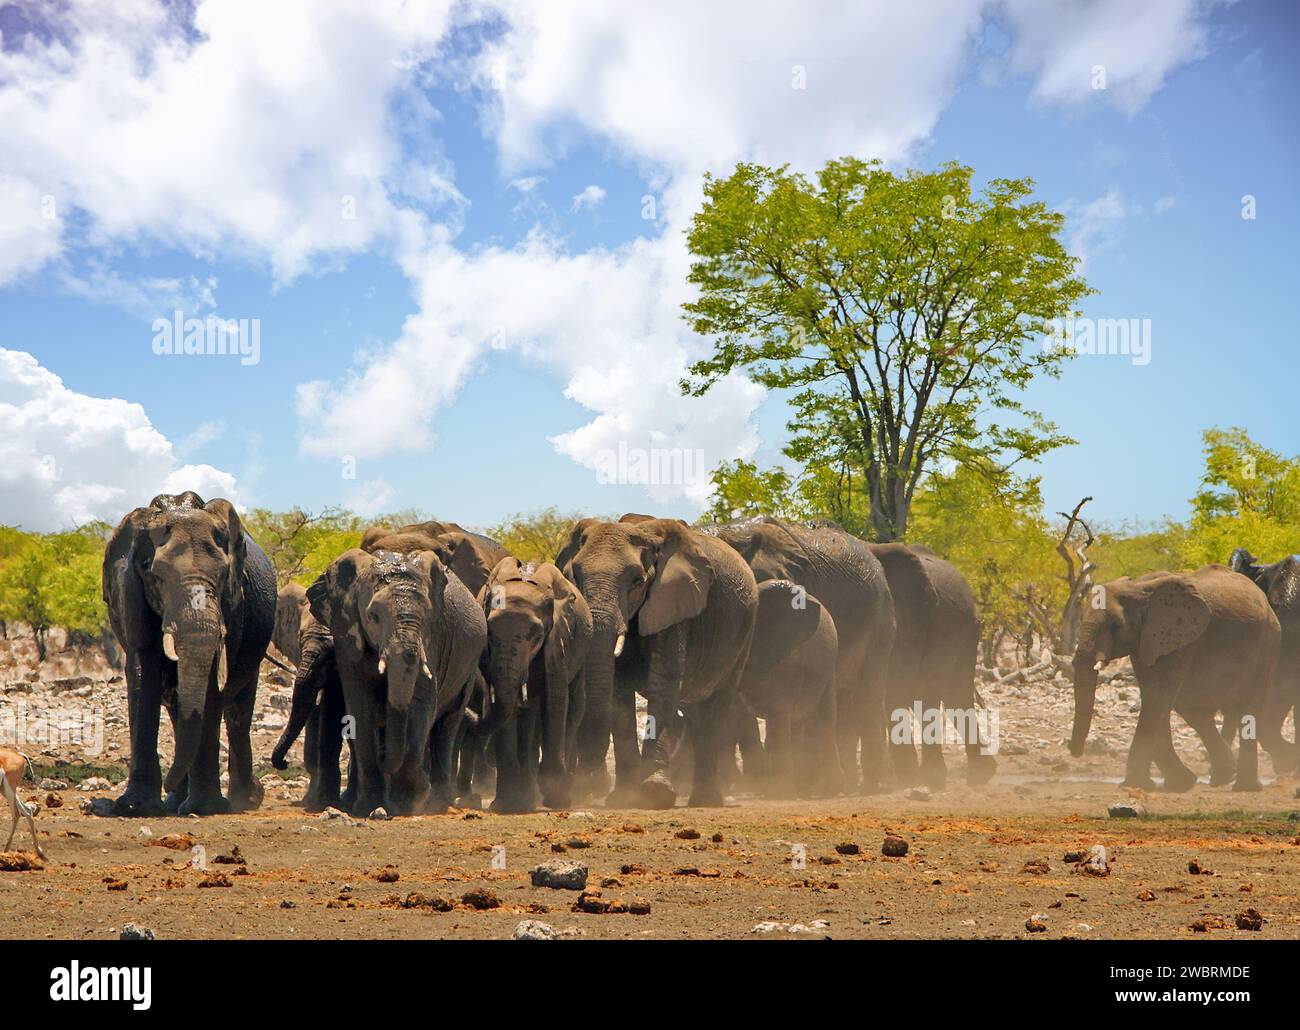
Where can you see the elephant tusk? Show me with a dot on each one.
(169, 646)
(222, 671)
(383, 664)
(523, 693)
(618, 645)
(425, 669)
(280, 665)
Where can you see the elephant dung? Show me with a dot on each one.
(560, 875)
(894, 846)
(1250, 919)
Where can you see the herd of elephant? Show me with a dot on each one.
(442, 662)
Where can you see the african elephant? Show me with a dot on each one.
(191, 599)
(534, 665)
(790, 682)
(1281, 585)
(1200, 642)
(317, 700)
(470, 556)
(407, 638)
(673, 615)
(841, 572)
(932, 663)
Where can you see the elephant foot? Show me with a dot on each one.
(318, 801)
(173, 801)
(139, 801)
(1222, 776)
(707, 795)
(246, 800)
(623, 795)
(1139, 782)
(1247, 786)
(657, 791)
(935, 777)
(980, 770)
(363, 804)
(474, 801)
(511, 806)
(205, 803)
(1179, 782)
(558, 798)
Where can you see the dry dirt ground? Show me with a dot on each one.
(980, 863)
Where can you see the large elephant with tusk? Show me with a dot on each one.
(191, 600)
(407, 639)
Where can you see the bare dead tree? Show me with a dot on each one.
(1077, 578)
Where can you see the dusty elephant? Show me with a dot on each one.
(790, 682)
(1280, 583)
(1200, 642)
(191, 599)
(932, 663)
(407, 638)
(534, 666)
(841, 572)
(317, 704)
(673, 615)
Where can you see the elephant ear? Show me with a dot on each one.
(787, 617)
(438, 576)
(332, 597)
(1176, 615)
(570, 618)
(236, 544)
(1282, 580)
(574, 544)
(1246, 563)
(679, 589)
(290, 607)
(133, 620)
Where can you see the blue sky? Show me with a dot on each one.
(476, 337)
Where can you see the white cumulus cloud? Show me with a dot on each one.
(67, 458)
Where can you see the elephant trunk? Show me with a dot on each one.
(196, 640)
(593, 734)
(507, 686)
(403, 661)
(1085, 699)
(306, 686)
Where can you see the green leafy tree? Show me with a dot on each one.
(899, 310)
(1249, 497)
(535, 536)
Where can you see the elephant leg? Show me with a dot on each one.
(848, 729)
(143, 794)
(752, 756)
(820, 755)
(1285, 753)
(470, 756)
(204, 795)
(1222, 765)
(328, 722)
(706, 721)
(505, 744)
(934, 770)
(369, 792)
(1153, 722)
(245, 792)
(1178, 778)
(529, 732)
(780, 755)
(553, 717)
(1248, 765)
(627, 754)
(873, 734)
(663, 694)
(904, 736)
(443, 755)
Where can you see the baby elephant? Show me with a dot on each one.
(534, 664)
(789, 682)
